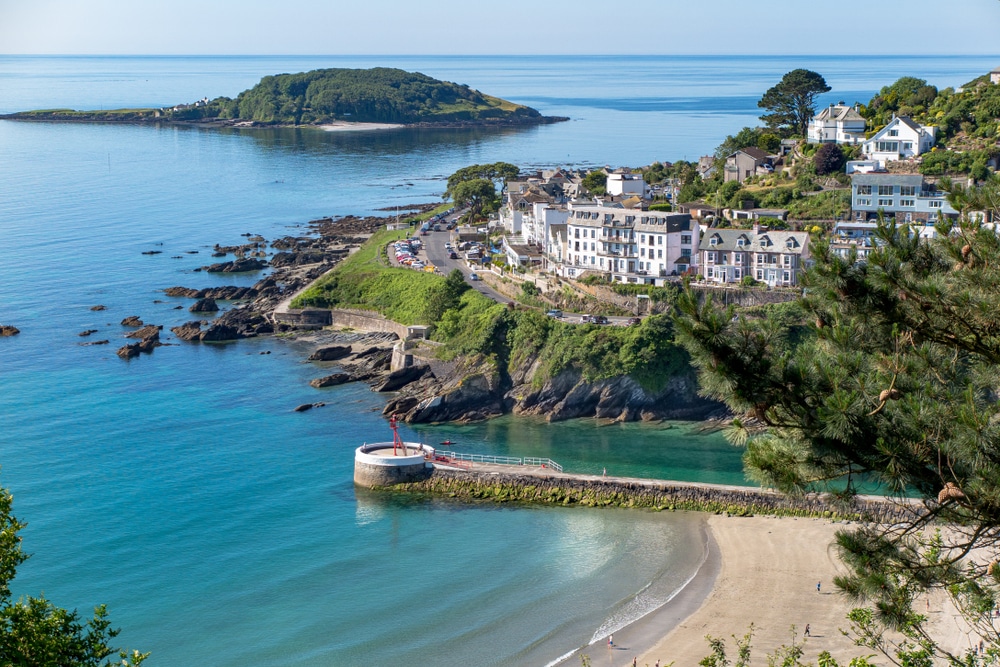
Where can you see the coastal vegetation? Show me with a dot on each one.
(33, 631)
(893, 381)
(477, 187)
(377, 95)
(791, 102)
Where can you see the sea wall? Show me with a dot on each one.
(651, 494)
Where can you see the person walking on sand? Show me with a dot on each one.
(806, 633)
(611, 641)
(818, 585)
(634, 661)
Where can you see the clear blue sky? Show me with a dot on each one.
(321, 27)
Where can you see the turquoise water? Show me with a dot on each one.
(222, 528)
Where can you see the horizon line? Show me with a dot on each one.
(498, 55)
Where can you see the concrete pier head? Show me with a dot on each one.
(376, 464)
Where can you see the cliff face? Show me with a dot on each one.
(475, 389)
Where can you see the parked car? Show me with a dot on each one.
(599, 319)
(473, 276)
(632, 321)
(452, 255)
(555, 313)
(586, 319)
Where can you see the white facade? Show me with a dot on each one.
(626, 184)
(776, 258)
(631, 245)
(837, 124)
(901, 139)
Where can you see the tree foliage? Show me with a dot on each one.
(498, 172)
(479, 195)
(33, 631)
(381, 94)
(828, 159)
(909, 96)
(792, 101)
(596, 182)
(894, 384)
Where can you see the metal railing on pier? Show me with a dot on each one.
(501, 460)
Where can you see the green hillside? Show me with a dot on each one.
(379, 95)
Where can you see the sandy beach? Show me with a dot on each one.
(760, 570)
(344, 126)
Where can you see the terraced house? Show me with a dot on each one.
(776, 258)
(629, 245)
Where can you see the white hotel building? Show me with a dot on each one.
(631, 246)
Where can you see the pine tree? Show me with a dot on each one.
(890, 380)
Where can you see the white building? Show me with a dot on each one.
(631, 246)
(901, 139)
(838, 124)
(626, 184)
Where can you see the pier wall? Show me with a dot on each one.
(567, 490)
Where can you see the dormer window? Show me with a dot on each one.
(714, 240)
(790, 243)
(741, 242)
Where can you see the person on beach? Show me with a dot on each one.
(806, 633)
(818, 585)
(611, 641)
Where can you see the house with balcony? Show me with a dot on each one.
(622, 184)
(905, 197)
(837, 124)
(776, 258)
(900, 139)
(629, 245)
(747, 162)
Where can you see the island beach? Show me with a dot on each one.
(760, 570)
(344, 126)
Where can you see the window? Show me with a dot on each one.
(685, 239)
(786, 260)
(576, 246)
(576, 233)
(740, 242)
(907, 145)
(685, 252)
(593, 246)
(659, 253)
(864, 189)
(642, 238)
(865, 202)
(713, 241)
(884, 190)
(884, 202)
(736, 274)
(893, 133)
(710, 257)
(659, 240)
(593, 233)
(760, 274)
(787, 276)
(934, 204)
(602, 262)
(737, 258)
(709, 273)
(908, 190)
(886, 146)
(642, 252)
(760, 259)
(906, 202)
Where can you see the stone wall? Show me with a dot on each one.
(652, 494)
(371, 476)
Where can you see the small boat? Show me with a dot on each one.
(448, 442)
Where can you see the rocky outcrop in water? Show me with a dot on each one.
(8, 330)
(150, 340)
(204, 306)
(237, 266)
(132, 321)
(331, 353)
(223, 293)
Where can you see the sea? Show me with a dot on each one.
(222, 528)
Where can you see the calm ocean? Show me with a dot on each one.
(180, 489)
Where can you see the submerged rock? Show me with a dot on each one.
(132, 321)
(204, 306)
(8, 330)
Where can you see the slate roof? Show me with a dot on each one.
(769, 241)
(887, 179)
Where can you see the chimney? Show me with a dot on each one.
(756, 226)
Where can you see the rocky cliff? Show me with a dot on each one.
(475, 389)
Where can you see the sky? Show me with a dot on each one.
(473, 27)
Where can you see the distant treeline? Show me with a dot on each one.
(379, 95)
